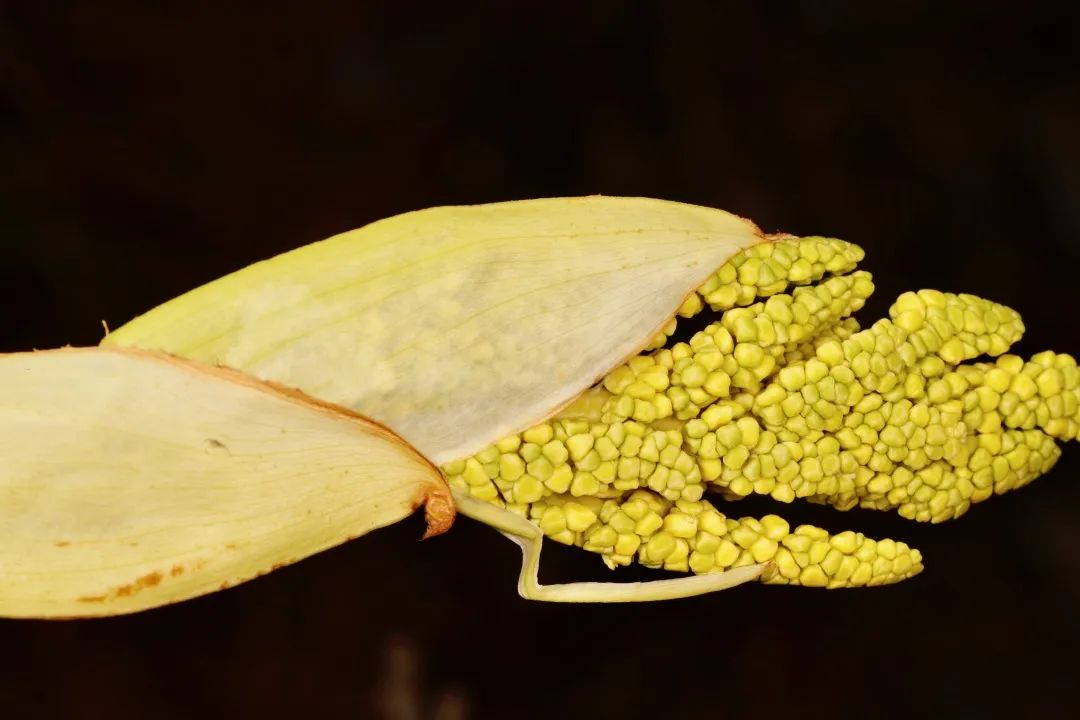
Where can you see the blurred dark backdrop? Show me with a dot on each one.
(150, 148)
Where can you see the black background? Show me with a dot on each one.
(148, 148)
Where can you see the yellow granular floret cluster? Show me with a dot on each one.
(693, 536)
(784, 395)
(737, 353)
(581, 459)
(764, 270)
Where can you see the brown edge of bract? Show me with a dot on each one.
(439, 510)
(762, 238)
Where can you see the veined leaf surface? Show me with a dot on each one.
(130, 480)
(456, 325)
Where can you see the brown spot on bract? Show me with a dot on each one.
(63, 543)
(146, 581)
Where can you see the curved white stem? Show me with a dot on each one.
(529, 537)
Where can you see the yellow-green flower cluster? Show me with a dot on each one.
(886, 421)
(963, 326)
(784, 395)
(1043, 392)
(736, 353)
(694, 536)
(769, 268)
(764, 270)
(582, 459)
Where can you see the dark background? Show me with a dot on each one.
(148, 148)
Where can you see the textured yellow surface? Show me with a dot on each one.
(784, 395)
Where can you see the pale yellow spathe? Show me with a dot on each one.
(130, 480)
(456, 325)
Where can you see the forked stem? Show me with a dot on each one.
(529, 537)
